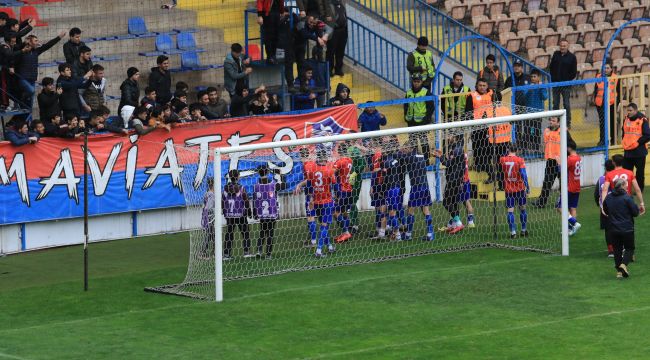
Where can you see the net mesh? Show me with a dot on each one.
(367, 200)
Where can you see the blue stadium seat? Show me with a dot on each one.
(186, 42)
(138, 28)
(190, 62)
(164, 45)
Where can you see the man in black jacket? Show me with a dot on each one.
(69, 100)
(564, 67)
(621, 210)
(336, 46)
(71, 47)
(27, 66)
(161, 80)
(82, 64)
(48, 100)
(130, 94)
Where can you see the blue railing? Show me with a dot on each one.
(382, 57)
(416, 18)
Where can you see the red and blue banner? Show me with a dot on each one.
(44, 181)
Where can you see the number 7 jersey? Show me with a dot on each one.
(511, 166)
(321, 177)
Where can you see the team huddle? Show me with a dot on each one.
(332, 185)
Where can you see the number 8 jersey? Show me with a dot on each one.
(574, 168)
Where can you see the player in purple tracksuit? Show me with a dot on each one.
(609, 166)
(265, 200)
(236, 209)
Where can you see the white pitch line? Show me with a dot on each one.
(481, 333)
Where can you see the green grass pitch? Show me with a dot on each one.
(480, 304)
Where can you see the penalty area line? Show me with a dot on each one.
(480, 333)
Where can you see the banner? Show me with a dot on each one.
(44, 181)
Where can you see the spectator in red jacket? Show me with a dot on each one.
(269, 13)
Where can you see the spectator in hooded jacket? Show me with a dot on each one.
(27, 66)
(48, 100)
(20, 134)
(342, 96)
(70, 99)
(620, 209)
(161, 80)
(71, 47)
(371, 119)
(305, 98)
(150, 99)
(20, 28)
(339, 40)
(130, 94)
(180, 97)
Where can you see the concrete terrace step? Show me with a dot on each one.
(84, 8)
(117, 23)
(208, 39)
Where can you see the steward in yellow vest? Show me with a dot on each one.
(420, 62)
(419, 113)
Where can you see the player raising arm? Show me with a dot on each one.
(265, 199)
(321, 177)
(516, 188)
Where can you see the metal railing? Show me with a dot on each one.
(382, 57)
(417, 18)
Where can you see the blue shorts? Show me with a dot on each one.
(420, 196)
(324, 212)
(378, 196)
(467, 192)
(574, 198)
(394, 199)
(518, 198)
(343, 201)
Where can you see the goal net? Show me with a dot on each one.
(366, 197)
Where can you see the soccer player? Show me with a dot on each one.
(309, 192)
(574, 170)
(609, 166)
(343, 170)
(377, 190)
(236, 210)
(265, 199)
(391, 166)
(420, 196)
(207, 220)
(467, 195)
(454, 162)
(321, 176)
(516, 189)
(620, 172)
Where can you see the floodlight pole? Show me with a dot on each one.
(85, 208)
(564, 184)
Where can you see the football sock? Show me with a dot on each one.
(523, 217)
(392, 221)
(511, 222)
(429, 222)
(410, 220)
(312, 230)
(346, 224)
(402, 216)
(378, 217)
(470, 218)
(572, 221)
(324, 237)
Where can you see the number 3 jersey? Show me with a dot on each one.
(265, 200)
(511, 166)
(321, 177)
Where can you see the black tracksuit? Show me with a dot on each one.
(636, 158)
(621, 211)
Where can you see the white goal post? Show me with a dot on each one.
(433, 128)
